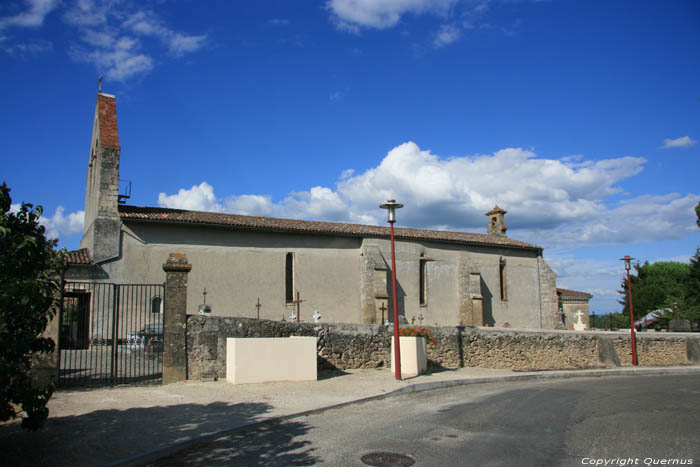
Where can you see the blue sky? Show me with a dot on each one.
(581, 119)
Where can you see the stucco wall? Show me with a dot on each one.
(238, 268)
(332, 276)
(571, 309)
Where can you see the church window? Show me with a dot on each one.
(156, 305)
(502, 278)
(289, 278)
(423, 282)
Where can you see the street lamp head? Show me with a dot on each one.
(391, 206)
(627, 260)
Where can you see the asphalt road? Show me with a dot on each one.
(634, 420)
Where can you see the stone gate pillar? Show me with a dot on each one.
(175, 318)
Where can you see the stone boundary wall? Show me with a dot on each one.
(348, 346)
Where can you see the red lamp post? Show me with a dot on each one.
(627, 260)
(391, 206)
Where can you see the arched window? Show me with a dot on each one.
(156, 305)
(502, 278)
(289, 278)
(423, 282)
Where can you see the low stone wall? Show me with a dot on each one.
(340, 346)
(346, 346)
(653, 349)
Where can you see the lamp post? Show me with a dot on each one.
(627, 260)
(391, 206)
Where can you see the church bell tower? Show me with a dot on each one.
(497, 223)
(101, 233)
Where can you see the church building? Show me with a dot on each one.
(342, 271)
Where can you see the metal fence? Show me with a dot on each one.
(111, 334)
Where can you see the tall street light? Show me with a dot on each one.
(627, 260)
(391, 206)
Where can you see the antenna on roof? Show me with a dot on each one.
(122, 197)
(99, 84)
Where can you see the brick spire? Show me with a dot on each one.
(107, 115)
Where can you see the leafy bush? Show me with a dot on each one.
(30, 273)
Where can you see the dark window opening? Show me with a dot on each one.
(75, 322)
(289, 278)
(156, 304)
(423, 282)
(502, 278)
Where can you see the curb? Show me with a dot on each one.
(172, 448)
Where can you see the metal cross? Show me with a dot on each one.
(258, 307)
(421, 318)
(383, 309)
(297, 302)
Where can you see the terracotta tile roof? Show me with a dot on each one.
(81, 256)
(107, 114)
(235, 221)
(574, 293)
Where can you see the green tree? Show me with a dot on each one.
(694, 280)
(660, 286)
(30, 271)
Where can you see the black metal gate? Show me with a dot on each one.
(111, 334)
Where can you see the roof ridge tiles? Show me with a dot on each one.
(158, 214)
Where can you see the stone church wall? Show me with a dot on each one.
(348, 346)
(238, 268)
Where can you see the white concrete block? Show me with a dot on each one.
(266, 359)
(414, 360)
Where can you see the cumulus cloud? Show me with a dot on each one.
(682, 142)
(198, 198)
(60, 225)
(33, 16)
(355, 15)
(352, 15)
(551, 202)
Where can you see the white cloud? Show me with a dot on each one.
(447, 34)
(682, 142)
(116, 36)
(32, 17)
(180, 44)
(455, 192)
(198, 198)
(146, 23)
(380, 14)
(88, 12)
(551, 202)
(251, 205)
(119, 58)
(22, 49)
(61, 225)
